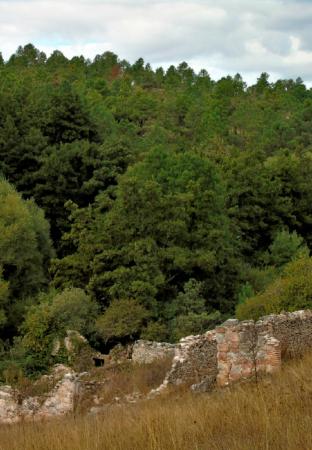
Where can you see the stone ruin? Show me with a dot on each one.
(237, 351)
(146, 352)
(78, 352)
(56, 403)
(232, 352)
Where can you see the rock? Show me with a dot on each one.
(59, 370)
(78, 351)
(9, 409)
(58, 402)
(146, 352)
(133, 398)
(61, 400)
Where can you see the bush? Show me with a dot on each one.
(192, 323)
(292, 291)
(155, 331)
(49, 320)
(285, 247)
(123, 318)
(74, 309)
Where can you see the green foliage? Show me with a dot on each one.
(25, 250)
(245, 292)
(292, 291)
(167, 187)
(189, 314)
(49, 319)
(55, 313)
(190, 300)
(74, 172)
(192, 323)
(167, 225)
(156, 331)
(73, 309)
(285, 247)
(4, 296)
(123, 318)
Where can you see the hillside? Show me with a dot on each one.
(145, 203)
(273, 414)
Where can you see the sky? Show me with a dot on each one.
(222, 36)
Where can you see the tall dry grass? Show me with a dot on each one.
(275, 414)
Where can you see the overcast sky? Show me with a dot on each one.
(222, 36)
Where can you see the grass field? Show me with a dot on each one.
(274, 414)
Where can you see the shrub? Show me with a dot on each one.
(192, 323)
(285, 247)
(290, 292)
(48, 321)
(155, 331)
(122, 318)
(74, 309)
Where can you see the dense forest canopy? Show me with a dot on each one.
(144, 203)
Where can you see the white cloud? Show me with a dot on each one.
(226, 36)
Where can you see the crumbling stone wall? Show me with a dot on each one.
(194, 364)
(245, 350)
(59, 402)
(145, 352)
(232, 352)
(293, 330)
(239, 350)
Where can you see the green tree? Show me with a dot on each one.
(25, 249)
(189, 313)
(285, 247)
(67, 119)
(27, 56)
(167, 225)
(123, 318)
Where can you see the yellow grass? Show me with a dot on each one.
(276, 414)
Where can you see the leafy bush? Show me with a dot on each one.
(49, 320)
(290, 292)
(192, 323)
(121, 319)
(155, 331)
(285, 247)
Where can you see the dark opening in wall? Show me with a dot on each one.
(98, 362)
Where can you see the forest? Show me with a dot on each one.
(146, 203)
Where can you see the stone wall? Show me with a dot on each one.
(59, 402)
(145, 352)
(293, 330)
(249, 348)
(239, 350)
(245, 350)
(194, 364)
(232, 352)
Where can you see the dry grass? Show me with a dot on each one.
(122, 379)
(276, 414)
